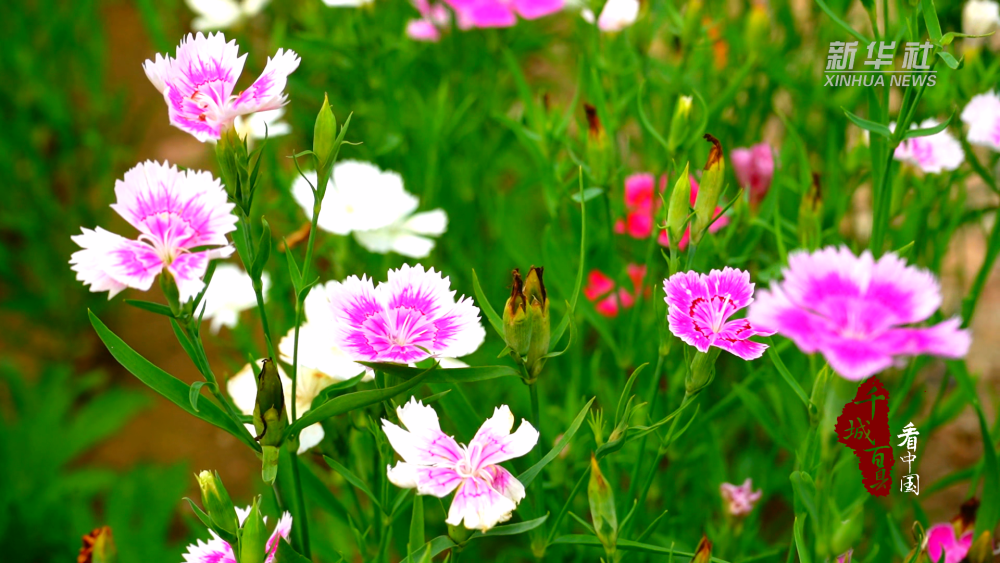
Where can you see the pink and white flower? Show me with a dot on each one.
(501, 13)
(415, 310)
(175, 213)
(739, 499)
(852, 308)
(934, 153)
(433, 18)
(316, 349)
(217, 550)
(198, 84)
(941, 539)
(982, 115)
(699, 307)
(435, 464)
(754, 168)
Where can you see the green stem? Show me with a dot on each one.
(301, 519)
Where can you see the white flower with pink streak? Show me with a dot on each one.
(435, 464)
(410, 317)
(933, 153)
(217, 550)
(982, 115)
(175, 213)
(198, 84)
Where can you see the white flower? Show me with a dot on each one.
(615, 16)
(374, 206)
(263, 124)
(982, 115)
(242, 387)
(980, 17)
(316, 349)
(934, 153)
(229, 294)
(220, 14)
(347, 3)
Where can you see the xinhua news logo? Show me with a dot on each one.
(916, 70)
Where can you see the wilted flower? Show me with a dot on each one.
(982, 115)
(933, 153)
(415, 310)
(942, 539)
(850, 309)
(220, 14)
(739, 499)
(754, 168)
(500, 13)
(433, 17)
(261, 125)
(175, 213)
(229, 294)
(198, 84)
(601, 289)
(699, 306)
(217, 550)
(373, 205)
(242, 387)
(316, 349)
(615, 16)
(435, 464)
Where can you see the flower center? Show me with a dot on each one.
(464, 469)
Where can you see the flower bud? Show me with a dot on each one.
(216, 502)
(703, 553)
(679, 123)
(848, 531)
(602, 508)
(710, 191)
(702, 371)
(253, 536)
(526, 320)
(98, 547)
(680, 206)
(758, 26)
(597, 146)
(325, 145)
(269, 417)
(811, 215)
(234, 161)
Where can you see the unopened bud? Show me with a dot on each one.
(679, 123)
(526, 320)
(253, 536)
(680, 206)
(701, 372)
(848, 532)
(516, 328)
(98, 547)
(217, 503)
(269, 417)
(710, 191)
(597, 146)
(703, 553)
(325, 144)
(602, 508)
(811, 214)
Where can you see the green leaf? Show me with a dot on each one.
(450, 375)
(352, 479)
(772, 353)
(263, 252)
(328, 392)
(529, 475)
(931, 19)
(416, 538)
(315, 490)
(205, 518)
(167, 385)
(511, 529)
(430, 549)
(947, 38)
(293, 269)
(285, 554)
(151, 307)
(564, 322)
(805, 556)
(805, 492)
(484, 305)
(863, 123)
(588, 194)
(911, 133)
(195, 393)
(645, 121)
(579, 539)
(358, 400)
(620, 410)
(844, 25)
(950, 60)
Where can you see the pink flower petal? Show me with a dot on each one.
(422, 442)
(941, 539)
(111, 263)
(495, 444)
(479, 505)
(534, 9)
(267, 92)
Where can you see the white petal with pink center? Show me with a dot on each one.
(217, 550)
(435, 464)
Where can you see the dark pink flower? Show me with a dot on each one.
(501, 13)
(601, 289)
(754, 168)
(941, 538)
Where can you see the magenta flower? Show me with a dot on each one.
(435, 464)
(739, 499)
(175, 213)
(433, 17)
(601, 289)
(217, 550)
(699, 306)
(941, 538)
(850, 309)
(414, 311)
(754, 168)
(198, 84)
(641, 204)
(501, 13)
